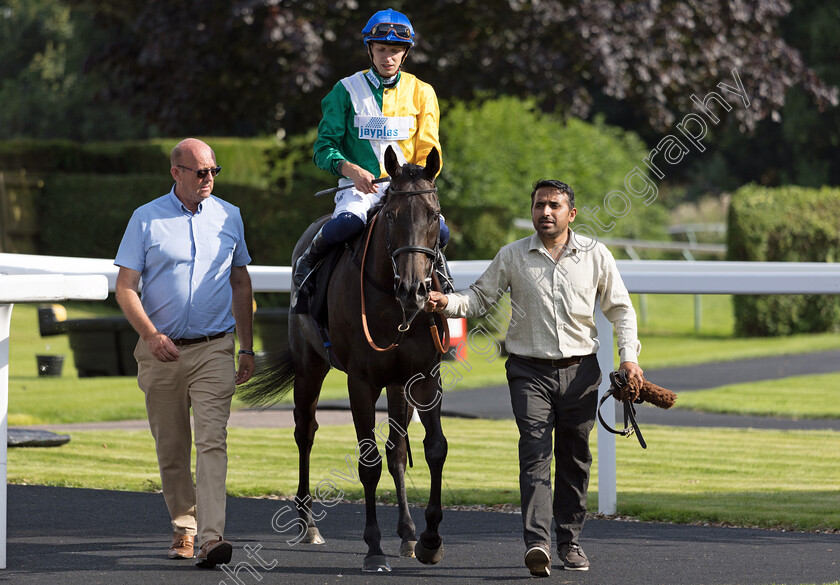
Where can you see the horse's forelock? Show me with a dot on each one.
(411, 178)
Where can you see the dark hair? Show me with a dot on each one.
(554, 184)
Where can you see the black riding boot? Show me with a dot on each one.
(317, 249)
(443, 274)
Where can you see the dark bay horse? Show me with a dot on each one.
(365, 315)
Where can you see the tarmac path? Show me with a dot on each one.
(89, 537)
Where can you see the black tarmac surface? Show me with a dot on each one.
(89, 537)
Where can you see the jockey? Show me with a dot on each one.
(362, 116)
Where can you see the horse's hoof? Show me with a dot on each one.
(376, 564)
(313, 536)
(407, 549)
(427, 556)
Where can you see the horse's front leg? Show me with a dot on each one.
(396, 449)
(426, 396)
(363, 405)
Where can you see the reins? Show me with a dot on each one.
(370, 341)
(618, 380)
(630, 392)
(441, 347)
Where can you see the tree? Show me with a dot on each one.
(801, 147)
(226, 66)
(495, 152)
(652, 54)
(210, 66)
(43, 89)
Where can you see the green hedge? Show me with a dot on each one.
(785, 224)
(90, 190)
(243, 160)
(495, 150)
(43, 156)
(291, 207)
(85, 215)
(492, 153)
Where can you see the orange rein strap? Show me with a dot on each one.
(362, 285)
(442, 348)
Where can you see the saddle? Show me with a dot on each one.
(630, 392)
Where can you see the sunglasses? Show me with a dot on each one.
(382, 29)
(202, 173)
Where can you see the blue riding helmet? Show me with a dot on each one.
(389, 26)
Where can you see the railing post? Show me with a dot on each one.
(32, 289)
(5, 324)
(607, 493)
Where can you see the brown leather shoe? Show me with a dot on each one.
(182, 546)
(212, 553)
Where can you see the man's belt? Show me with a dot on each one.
(558, 363)
(183, 342)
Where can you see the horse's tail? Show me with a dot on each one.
(274, 377)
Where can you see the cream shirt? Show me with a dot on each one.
(552, 304)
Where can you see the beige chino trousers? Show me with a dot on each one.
(202, 378)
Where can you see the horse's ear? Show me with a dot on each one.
(392, 165)
(432, 164)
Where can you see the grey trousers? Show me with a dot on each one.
(548, 399)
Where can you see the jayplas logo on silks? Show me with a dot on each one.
(383, 128)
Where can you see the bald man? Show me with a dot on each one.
(188, 247)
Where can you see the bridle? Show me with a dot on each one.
(430, 252)
(430, 278)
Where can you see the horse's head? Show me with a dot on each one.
(412, 213)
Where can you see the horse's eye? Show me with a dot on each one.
(389, 216)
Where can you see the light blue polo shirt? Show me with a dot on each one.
(185, 261)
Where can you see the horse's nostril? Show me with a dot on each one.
(412, 294)
(408, 290)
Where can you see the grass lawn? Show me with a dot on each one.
(738, 477)
(797, 397)
(668, 339)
